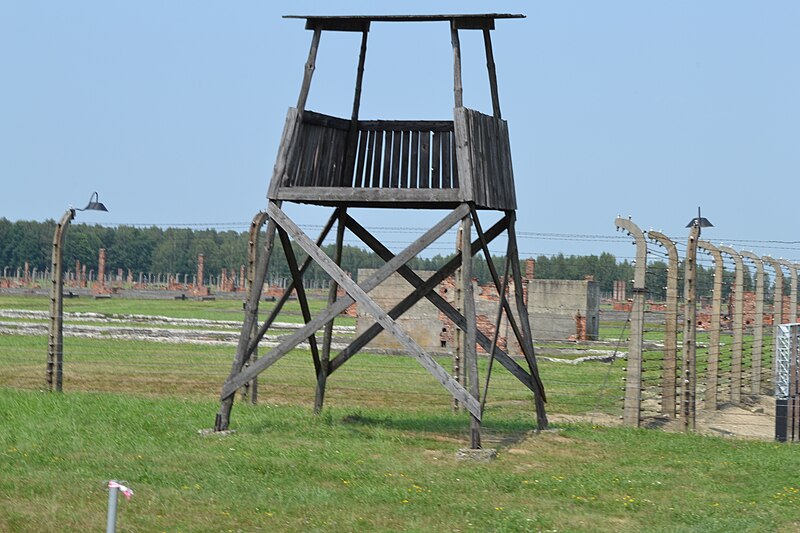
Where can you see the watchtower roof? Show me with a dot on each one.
(359, 22)
(419, 164)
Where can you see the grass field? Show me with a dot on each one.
(370, 470)
(381, 456)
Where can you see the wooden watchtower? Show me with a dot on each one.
(462, 166)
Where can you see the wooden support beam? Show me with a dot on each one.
(250, 318)
(424, 289)
(470, 346)
(490, 67)
(322, 374)
(291, 261)
(352, 135)
(377, 277)
(522, 309)
(251, 389)
(309, 71)
(458, 90)
(361, 296)
(497, 323)
(520, 333)
(288, 292)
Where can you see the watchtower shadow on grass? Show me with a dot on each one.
(499, 434)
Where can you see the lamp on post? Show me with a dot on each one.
(689, 376)
(55, 353)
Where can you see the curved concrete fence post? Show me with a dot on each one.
(738, 324)
(712, 378)
(669, 372)
(633, 376)
(792, 318)
(757, 352)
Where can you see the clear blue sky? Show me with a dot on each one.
(173, 110)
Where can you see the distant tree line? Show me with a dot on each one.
(175, 251)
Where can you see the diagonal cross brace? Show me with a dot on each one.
(335, 309)
(425, 289)
(359, 295)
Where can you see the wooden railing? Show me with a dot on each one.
(405, 155)
(469, 157)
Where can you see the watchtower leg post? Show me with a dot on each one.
(525, 323)
(251, 389)
(250, 320)
(324, 368)
(470, 345)
(458, 90)
(458, 353)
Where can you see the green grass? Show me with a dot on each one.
(370, 469)
(198, 371)
(381, 456)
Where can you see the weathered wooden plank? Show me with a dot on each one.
(454, 160)
(414, 161)
(332, 311)
(321, 155)
(308, 177)
(361, 296)
(474, 23)
(312, 118)
(476, 158)
(362, 57)
(300, 156)
(290, 132)
(338, 154)
(500, 309)
(351, 141)
(436, 161)
(458, 90)
(344, 24)
(404, 159)
(509, 168)
(376, 163)
(466, 19)
(485, 156)
(358, 177)
(424, 160)
(294, 270)
(335, 195)
(487, 45)
(527, 342)
(309, 70)
(447, 171)
(494, 181)
(397, 137)
(341, 163)
(470, 332)
(320, 162)
(327, 339)
(370, 156)
(463, 154)
(405, 125)
(387, 159)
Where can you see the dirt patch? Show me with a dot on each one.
(753, 419)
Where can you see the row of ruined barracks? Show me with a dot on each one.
(558, 309)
